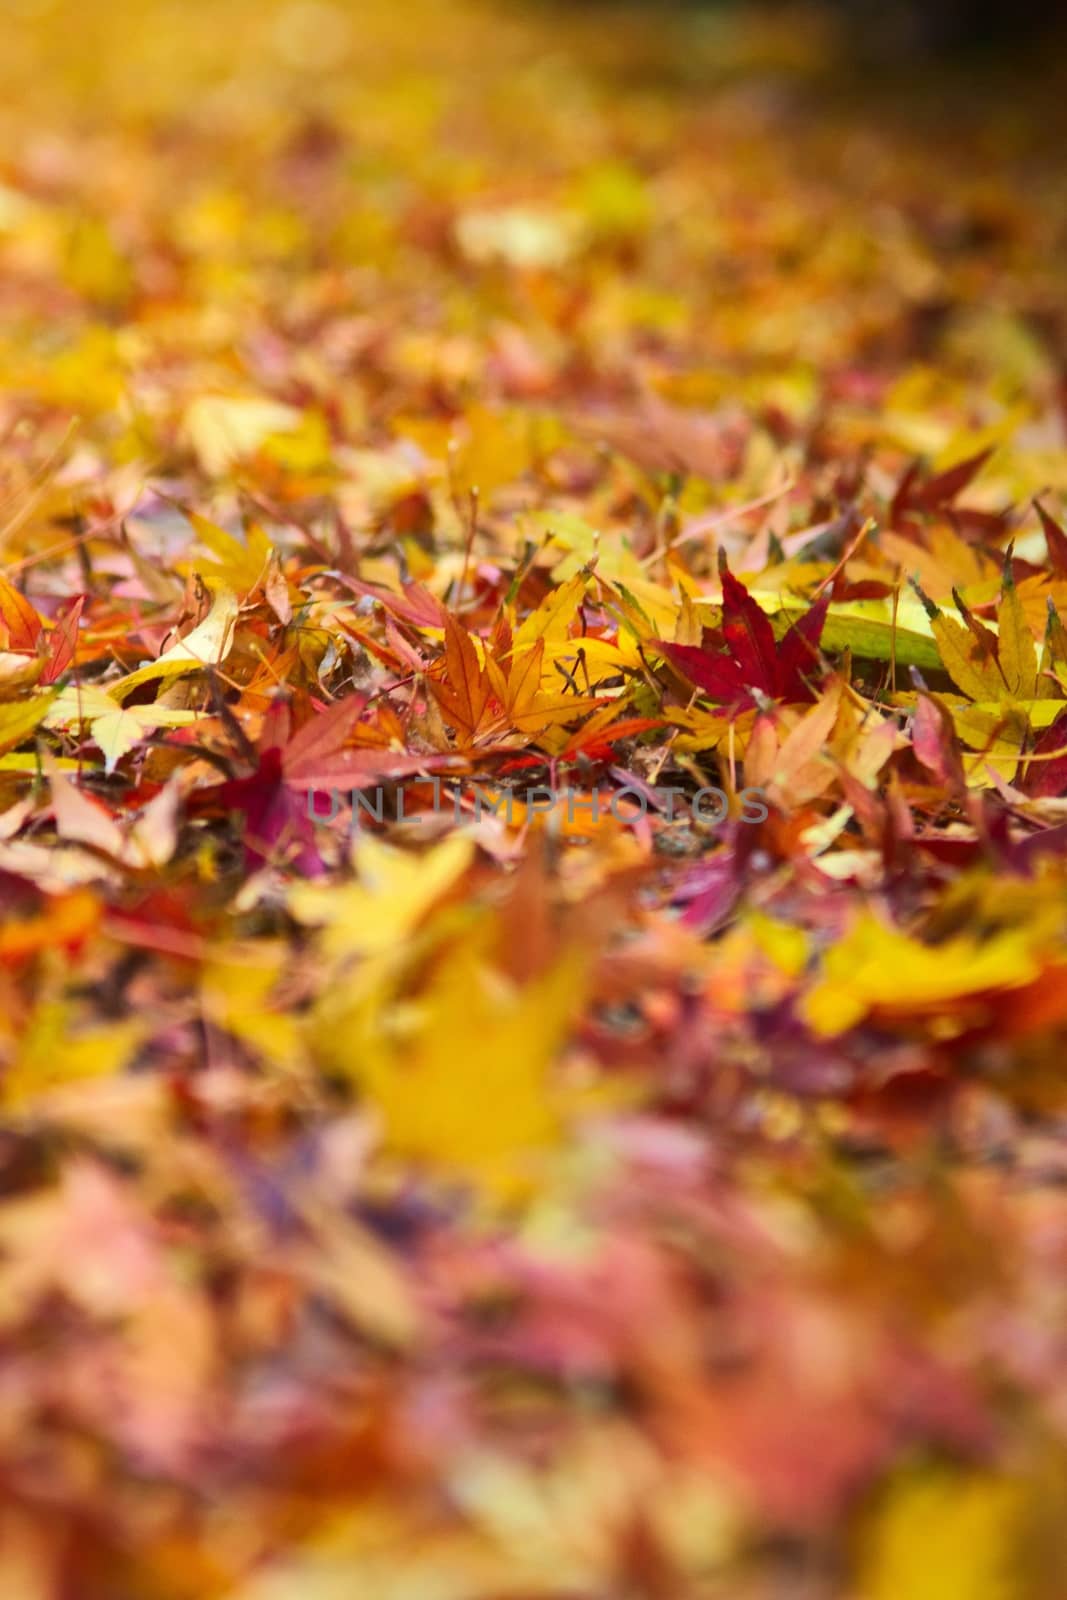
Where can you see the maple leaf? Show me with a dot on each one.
(991, 668)
(115, 728)
(877, 968)
(209, 643)
(28, 654)
(477, 1110)
(273, 796)
(943, 1536)
(1056, 541)
(939, 491)
(752, 659)
(394, 894)
(464, 693)
(55, 922)
(20, 626)
(63, 643)
(526, 706)
(569, 1208)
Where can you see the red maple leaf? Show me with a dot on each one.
(744, 656)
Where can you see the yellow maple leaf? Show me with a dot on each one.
(395, 892)
(235, 988)
(945, 1536)
(467, 1081)
(18, 719)
(51, 1056)
(208, 644)
(875, 968)
(1018, 652)
(116, 729)
(240, 565)
(223, 428)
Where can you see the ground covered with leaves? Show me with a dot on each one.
(533, 753)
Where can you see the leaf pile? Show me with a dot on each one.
(442, 1156)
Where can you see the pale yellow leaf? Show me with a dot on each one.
(223, 428)
(208, 644)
